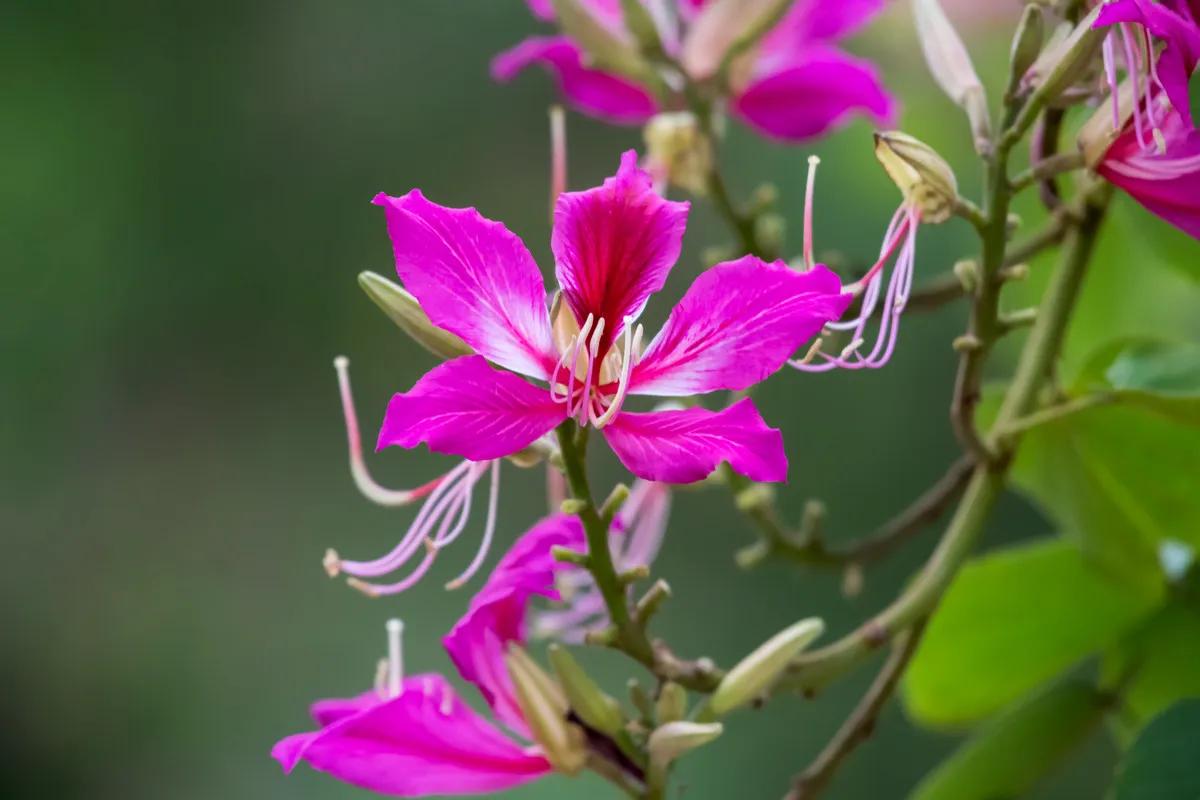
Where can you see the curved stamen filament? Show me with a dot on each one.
(488, 531)
(395, 674)
(585, 401)
(379, 590)
(810, 185)
(358, 468)
(633, 343)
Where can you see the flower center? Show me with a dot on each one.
(591, 384)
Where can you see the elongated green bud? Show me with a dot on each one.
(672, 702)
(668, 742)
(1026, 44)
(404, 310)
(757, 672)
(545, 710)
(585, 697)
(1067, 59)
(641, 700)
(923, 176)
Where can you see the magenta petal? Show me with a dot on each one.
(542, 9)
(425, 741)
(1178, 28)
(686, 446)
(592, 91)
(615, 244)
(1166, 184)
(474, 278)
(327, 712)
(466, 408)
(808, 96)
(821, 19)
(496, 615)
(736, 325)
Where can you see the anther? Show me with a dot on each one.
(332, 563)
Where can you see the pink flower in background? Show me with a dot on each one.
(614, 246)
(414, 737)
(1166, 179)
(794, 85)
(636, 536)
(1134, 25)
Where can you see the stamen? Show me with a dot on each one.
(395, 664)
(633, 344)
(813, 161)
(851, 348)
(558, 155)
(578, 342)
(1160, 141)
(379, 590)
(488, 531)
(358, 468)
(585, 410)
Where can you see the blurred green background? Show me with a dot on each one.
(185, 207)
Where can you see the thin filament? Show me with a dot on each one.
(488, 531)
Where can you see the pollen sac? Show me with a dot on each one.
(678, 152)
(923, 176)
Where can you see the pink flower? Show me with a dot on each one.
(414, 737)
(793, 86)
(1164, 179)
(614, 246)
(1134, 24)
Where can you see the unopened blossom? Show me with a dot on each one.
(794, 84)
(412, 736)
(614, 246)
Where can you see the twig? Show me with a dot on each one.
(859, 726)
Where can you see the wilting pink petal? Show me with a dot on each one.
(615, 244)
(601, 94)
(497, 614)
(474, 278)
(424, 741)
(686, 446)
(1175, 23)
(738, 323)
(1166, 184)
(805, 96)
(466, 408)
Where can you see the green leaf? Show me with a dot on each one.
(1158, 375)
(1010, 621)
(1118, 479)
(1154, 666)
(1164, 763)
(1018, 748)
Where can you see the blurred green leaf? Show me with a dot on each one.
(1018, 748)
(1011, 621)
(1158, 664)
(1120, 480)
(1164, 763)
(1158, 375)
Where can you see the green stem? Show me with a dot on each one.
(630, 636)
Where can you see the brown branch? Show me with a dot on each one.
(859, 726)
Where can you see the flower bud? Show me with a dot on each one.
(757, 672)
(668, 742)
(1099, 132)
(923, 176)
(545, 711)
(1067, 58)
(404, 310)
(951, 67)
(638, 21)
(678, 152)
(1026, 44)
(672, 702)
(586, 699)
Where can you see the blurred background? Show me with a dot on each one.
(185, 208)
